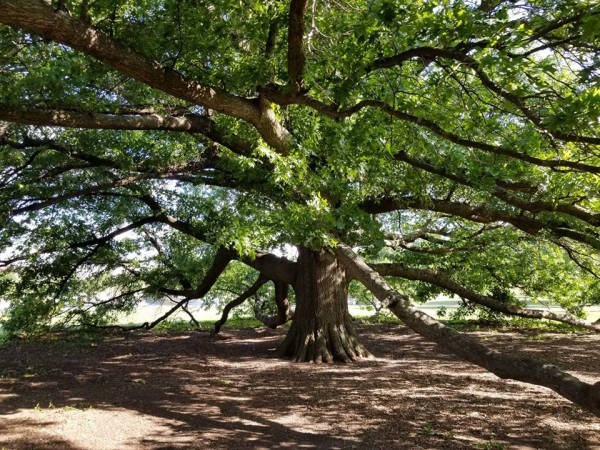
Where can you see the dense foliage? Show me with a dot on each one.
(475, 123)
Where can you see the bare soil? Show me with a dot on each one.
(197, 391)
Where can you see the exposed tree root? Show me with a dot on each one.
(324, 344)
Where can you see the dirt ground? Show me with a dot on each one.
(197, 391)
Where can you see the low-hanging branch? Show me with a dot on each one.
(511, 366)
(284, 310)
(432, 236)
(222, 259)
(260, 281)
(440, 279)
(218, 266)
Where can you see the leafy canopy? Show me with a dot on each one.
(457, 136)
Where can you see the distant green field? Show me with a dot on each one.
(150, 312)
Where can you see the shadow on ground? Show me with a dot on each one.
(197, 391)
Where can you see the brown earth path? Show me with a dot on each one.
(197, 391)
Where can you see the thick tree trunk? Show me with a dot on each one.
(322, 329)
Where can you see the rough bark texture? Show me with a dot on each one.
(515, 367)
(322, 329)
(184, 123)
(296, 56)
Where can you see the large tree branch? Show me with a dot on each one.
(220, 263)
(218, 266)
(284, 311)
(333, 111)
(483, 214)
(442, 280)
(500, 191)
(276, 268)
(185, 123)
(38, 17)
(192, 172)
(547, 28)
(296, 59)
(514, 367)
(272, 266)
(175, 172)
(260, 281)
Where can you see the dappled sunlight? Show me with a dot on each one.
(199, 391)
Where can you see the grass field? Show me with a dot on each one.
(149, 312)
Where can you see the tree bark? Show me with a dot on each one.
(512, 366)
(322, 330)
(184, 123)
(284, 310)
(38, 17)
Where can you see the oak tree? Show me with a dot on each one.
(158, 147)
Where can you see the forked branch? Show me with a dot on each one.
(260, 281)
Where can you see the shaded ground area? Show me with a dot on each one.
(196, 391)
